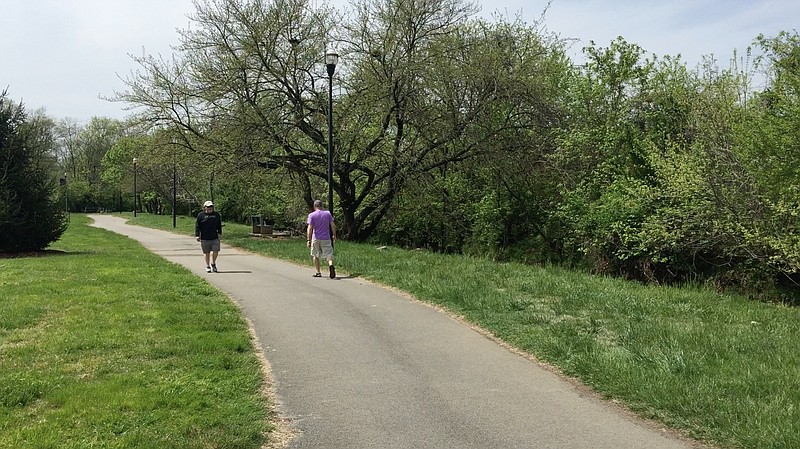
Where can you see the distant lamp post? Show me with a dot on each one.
(331, 59)
(66, 195)
(135, 192)
(174, 185)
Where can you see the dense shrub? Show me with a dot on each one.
(30, 219)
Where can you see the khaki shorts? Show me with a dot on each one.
(322, 249)
(209, 245)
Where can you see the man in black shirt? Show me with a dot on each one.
(207, 230)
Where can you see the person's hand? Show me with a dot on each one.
(308, 243)
(197, 238)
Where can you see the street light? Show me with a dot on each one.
(135, 193)
(174, 184)
(331, 58)
(66, 196)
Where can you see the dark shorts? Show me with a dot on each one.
(209, 245)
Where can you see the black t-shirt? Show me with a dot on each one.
(208, 226)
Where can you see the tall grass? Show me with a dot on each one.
(721, 368)
(103, 344)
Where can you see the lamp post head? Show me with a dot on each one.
(331, 59)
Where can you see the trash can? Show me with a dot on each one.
(256, 220)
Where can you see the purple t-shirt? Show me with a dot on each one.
(321, 221)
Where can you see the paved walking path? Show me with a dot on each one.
(358, 366)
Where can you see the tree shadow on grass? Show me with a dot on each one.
(42, 253)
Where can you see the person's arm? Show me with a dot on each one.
(197, 228)
(333, 231)
(309, 234)
(219, 225)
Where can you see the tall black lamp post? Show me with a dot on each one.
(331, 59)
(135, 193)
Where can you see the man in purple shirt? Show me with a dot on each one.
(321, 234)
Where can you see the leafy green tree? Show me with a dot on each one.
(674, 175)
(600, 158)
(245, 88)
(30, 219)
(80, 150)
(476, 124)
(409, 98)
(648, 190)
(768, 143)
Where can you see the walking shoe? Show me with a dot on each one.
(208, 269)
(333, 271)
(214, 268)
(317, 275)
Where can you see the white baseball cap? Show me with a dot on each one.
(208, 204)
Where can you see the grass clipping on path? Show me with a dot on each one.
(107, 345)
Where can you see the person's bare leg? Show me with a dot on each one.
(316, 263)
(331, 269)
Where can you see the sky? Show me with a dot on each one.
(65, 55)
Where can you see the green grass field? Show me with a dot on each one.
(721, 368)
(105, 345)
